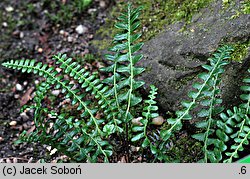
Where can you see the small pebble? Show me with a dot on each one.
(70, 39)
(25, 83)
(25, 126)
(158, 120)
(92, 10)
(16, 96)
(58, 70)
(40, 50)
(137, 121)
(102, 4)
(9, 9)
(53, 151)
(1, 139)
(24, 116)
(21, 35)
(12, 123)
(48, 148)
(81, 29)
(135, 149)
(5, 24)
(36, 82)
(55, 92)
(61, 32)
(19, 87)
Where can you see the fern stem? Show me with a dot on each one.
(98, 145)
(210, 118)
(131, 63)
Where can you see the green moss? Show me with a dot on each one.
(157, 14)
(245, 7)
(240, 50)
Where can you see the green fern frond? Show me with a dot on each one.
(91, 84)
(236, 125)
(205, 93)
(233, 121)
(149, 112)
(123, 67)
(51, 76)
(246, 97)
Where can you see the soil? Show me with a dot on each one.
(29, 31)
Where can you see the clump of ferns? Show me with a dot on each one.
(218, 128)
(109, 118)
(108, 113)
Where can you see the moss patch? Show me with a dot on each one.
(241, 50)
(244, 7)
(156, 15)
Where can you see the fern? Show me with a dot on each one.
(204, 92)
(123, 64)
(149, 112)
(52, 77)
(88, 138)
(235, 125)
(107, 108)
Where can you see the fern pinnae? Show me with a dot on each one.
(215, 63)
(82, 77)
(210, 119)
(240, 119)
(245, 97)
(51, 76)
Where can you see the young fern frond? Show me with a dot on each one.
(203, 90)
(149, 112)
(53, 77)
(123, 63)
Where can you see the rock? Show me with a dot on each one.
(1, 139)
(21, 35)
(70, 39)
(36, 82)
(19, 87)
(24, 116)
(92, 10)
(55, 92)
(40, 50)
(137, 121)
(9, 9)
(158, 120)
(81, 29)
(4, 24)
(174, 58)
(25, 83)
(61, 32)
(102, 4)
(12, 123)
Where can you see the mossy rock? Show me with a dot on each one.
(174, 58)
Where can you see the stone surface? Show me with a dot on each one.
(174, 58)
(81, 29)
